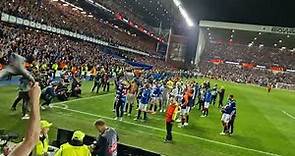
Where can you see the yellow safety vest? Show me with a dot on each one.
(170, 84)
(54, 66)
(42, 147)
(70, 150)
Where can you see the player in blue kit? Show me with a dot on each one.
(228, 116)
(207, 100)
(143, 102)
(155, 100)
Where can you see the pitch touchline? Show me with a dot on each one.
(289, 115)
(159, 129)
(79, 99)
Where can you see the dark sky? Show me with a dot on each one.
(264, 12)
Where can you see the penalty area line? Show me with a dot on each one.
(177, 133)
(289, 115)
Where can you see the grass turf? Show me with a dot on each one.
(260, 123)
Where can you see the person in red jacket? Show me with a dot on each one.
(171, 113)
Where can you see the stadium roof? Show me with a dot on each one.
(152, 12)
(251, 35)
(261, 12)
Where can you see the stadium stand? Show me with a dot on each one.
(50, 48)
(241, 61)
(62, 16)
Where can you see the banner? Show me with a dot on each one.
(277, 69)
(248, 65)
(216, 61)
(229, 62)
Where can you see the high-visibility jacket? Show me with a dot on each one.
(42, 147)
(171, 112)
(70, 150)
(54, 66)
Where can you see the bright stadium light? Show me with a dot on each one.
(177, 2)
(183, 13)
(186, 17)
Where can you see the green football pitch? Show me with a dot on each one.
(264, 125)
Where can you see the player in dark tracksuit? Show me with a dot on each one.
(221, 97)
(121, 97)
(97, 82)
(214, 94)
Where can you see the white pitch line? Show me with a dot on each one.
(159, 129)
(79, 99)
(59, 104)
(289, 115)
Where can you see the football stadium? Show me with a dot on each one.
(147, 78)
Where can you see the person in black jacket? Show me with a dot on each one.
(97, 82)
(48, 94)
(221, 96)
(75, 88)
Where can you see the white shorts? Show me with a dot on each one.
(206, 105)
(142, 107)
(185, 111)
(155, 100)
(225, 118)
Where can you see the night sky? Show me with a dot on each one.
(263, 12)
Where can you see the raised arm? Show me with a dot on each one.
(33, 129)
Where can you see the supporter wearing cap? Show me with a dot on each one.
(43, 143)
(75, 147)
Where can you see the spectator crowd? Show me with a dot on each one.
(55, 14)
(244, 54)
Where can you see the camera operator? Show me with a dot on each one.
(33, 129)
(62, 90)
(75, 88)
(48, 94)
(106, 144)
